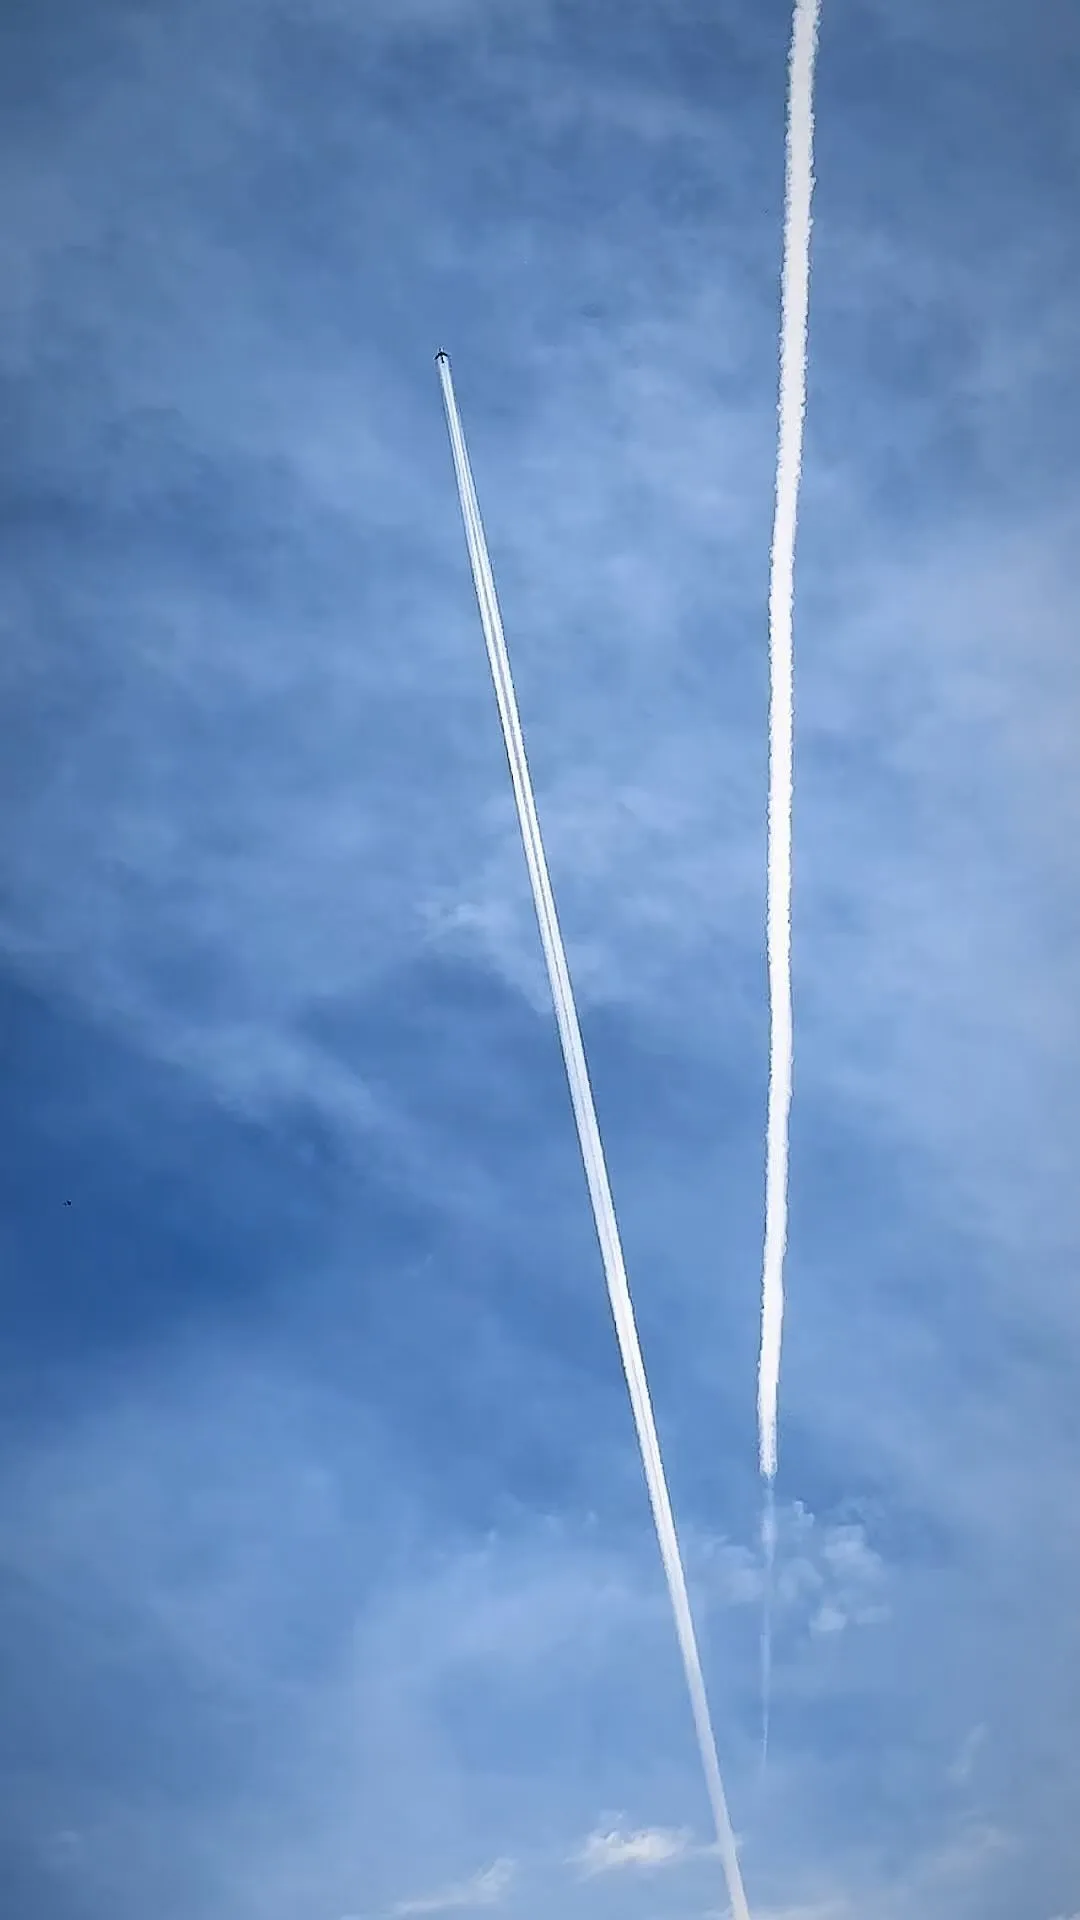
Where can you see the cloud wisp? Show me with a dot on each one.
(795, 301)
(615, 1850)
(484, 1889)
(591, 1147)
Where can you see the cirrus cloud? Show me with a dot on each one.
(484, 1889)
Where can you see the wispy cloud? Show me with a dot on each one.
(254, 831)
(960, 1770)
(828, 1575)
(818, 1910)
(485, 1889)
(609, 1852)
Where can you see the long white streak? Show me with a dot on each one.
(795, 303)
(792, 407)
(591, 1149)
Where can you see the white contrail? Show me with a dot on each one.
(592, 1152)
(792, 407)
(795, 299)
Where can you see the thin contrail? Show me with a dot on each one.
(795, 299)
(768, 1554)
(592, 1152)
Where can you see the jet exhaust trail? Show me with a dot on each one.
(592, 1152)
(795, 301)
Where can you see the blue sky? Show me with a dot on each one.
(327, 1585)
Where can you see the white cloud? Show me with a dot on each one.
(485, 1889)
(647, 1847)
(828, 1576)
(820, 1910)
(974, 1847)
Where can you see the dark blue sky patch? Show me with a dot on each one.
(136, 1210)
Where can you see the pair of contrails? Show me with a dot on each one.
(795, 300)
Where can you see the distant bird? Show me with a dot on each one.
(67, 1203)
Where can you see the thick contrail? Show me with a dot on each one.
(592, 1152)
(795, 300)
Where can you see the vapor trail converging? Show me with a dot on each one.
(592, 1152)
(795, 300)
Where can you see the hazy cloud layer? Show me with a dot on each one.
(326, 1583)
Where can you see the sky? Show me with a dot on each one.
(328, 1589)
